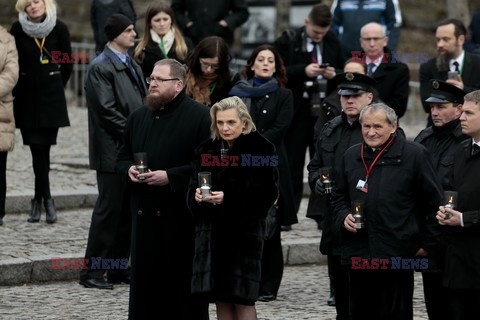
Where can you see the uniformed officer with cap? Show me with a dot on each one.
(339, 134)
(441, 139)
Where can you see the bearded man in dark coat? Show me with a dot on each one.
(168, 130)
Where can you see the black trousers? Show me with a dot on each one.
(436, 296)
(465, 303)
(41, 169)
(339, 282)
(3, 182)
(381, 294)
(110, 229)
(272, 265)
(299, 137)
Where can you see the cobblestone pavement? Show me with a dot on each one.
(69, 159)
(303, 296)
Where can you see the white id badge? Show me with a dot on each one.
(360, 184)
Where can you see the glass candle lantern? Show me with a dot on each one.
(450, 200)
(141, 163)
(358, 214)
(205, 183)
(326, 178)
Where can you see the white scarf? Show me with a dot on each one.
(41, 29)
(168, 39)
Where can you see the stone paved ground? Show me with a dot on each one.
(302, 297)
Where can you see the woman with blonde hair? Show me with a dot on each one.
(40, 106)
(161, 38)
(230, 222)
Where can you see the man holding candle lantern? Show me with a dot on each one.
(167, 129)
(400, 191)
(442, 140)
(462, 259)
(338, 135)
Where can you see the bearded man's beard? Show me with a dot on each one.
(154, 102)
(443, 61)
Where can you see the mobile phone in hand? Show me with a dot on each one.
(324, 65)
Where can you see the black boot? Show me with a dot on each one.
(34, 215)
(50, 211)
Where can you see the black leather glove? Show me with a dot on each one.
(319, 188)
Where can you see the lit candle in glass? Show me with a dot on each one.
(450, 200)
(140, 159)
(357, 211)
(326, 178)
(205, 183)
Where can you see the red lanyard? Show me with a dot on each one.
(369, 170)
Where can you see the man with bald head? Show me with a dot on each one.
(392, 76)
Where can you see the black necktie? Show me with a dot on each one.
(370, 68)
(475, 149)
(315, 52)
(455, 64)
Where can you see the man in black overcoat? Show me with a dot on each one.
(462, 260)
(450, 37)
(442, 140)
(167, 129)
(114, 89)
(392, 76)
(305, 52)
(400, 192)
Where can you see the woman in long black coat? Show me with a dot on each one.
(161, 38)
(271, 108)
(40, 106)
(229, 224)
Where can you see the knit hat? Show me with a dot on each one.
(115, 25)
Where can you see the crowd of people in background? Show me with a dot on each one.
(169, 116)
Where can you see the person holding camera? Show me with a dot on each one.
(311, 54)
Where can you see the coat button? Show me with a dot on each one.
(158, 213)
(140, 212)
(157, 117)
(267, 96)
(264, 111)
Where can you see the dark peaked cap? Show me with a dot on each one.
(351, 84)
(443, 92)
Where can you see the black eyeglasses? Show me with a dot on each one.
(209, 65)
(158, 80)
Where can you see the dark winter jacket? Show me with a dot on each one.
(292, 47)
(205, 16)
(162, 226)
(100, 10)
(400, 207)
(112, 93)
(442, 142)
(40, 94)
(229, 237)
(462, 262)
